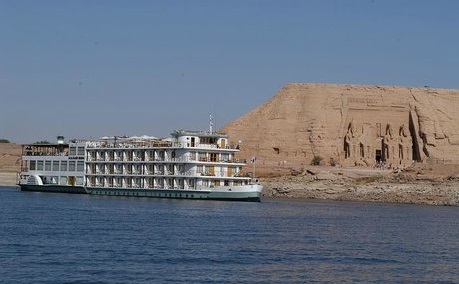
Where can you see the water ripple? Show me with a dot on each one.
(53, 238)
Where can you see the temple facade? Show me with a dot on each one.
(381, 143)
(351, 125)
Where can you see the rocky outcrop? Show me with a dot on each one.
(10, 163)
(10, 157)
(419, 184)
(350, 125)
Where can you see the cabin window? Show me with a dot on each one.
(32, 165)
(53, 180)
(63, 166)
(80, 151)
(202, 157)
(72, 166)
(63, 181)
(80, 166)
(193, 141)
(72, 151)
(47, 165)
(225, 157)
(199, 170)
(55, 166)
(79, 180)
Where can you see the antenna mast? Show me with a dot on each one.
(211, 124)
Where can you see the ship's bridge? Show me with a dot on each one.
(201, 138)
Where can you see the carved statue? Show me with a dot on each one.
(403, 132)
(347, 145)
(389, 130)
(349, 139)
(387, 141)
(351, 128)
(404, 143)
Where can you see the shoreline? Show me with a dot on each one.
(418, 185)
(444, 193)
(8, 179)
(407, 186)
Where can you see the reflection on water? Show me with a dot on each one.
(46, 237)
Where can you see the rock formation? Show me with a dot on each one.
(10, 163)
(351, 125)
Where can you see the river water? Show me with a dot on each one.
(64, 238)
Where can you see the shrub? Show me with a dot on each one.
(316, 160)
(4, 141)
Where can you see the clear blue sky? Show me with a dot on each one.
(93, 68)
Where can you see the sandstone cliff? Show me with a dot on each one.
(10, 163)
(10, 157)
(350, 125)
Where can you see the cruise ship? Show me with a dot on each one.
(188, 165)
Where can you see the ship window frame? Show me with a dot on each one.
(80, 151)
(225, 157)
(79, 180)
(72, 150)
(48, 166)
(55, 166)
(63, 180)
(32, 165)
(193, 156)
(63, 166)
(72, 166)
(80, 166)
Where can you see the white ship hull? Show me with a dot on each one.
(236, 193)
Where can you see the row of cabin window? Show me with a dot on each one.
(79, 151)
(56, 166)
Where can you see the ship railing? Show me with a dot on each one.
(175, 160)
(208, 146)
(198, 145)
(45, 154)
(179, 145)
